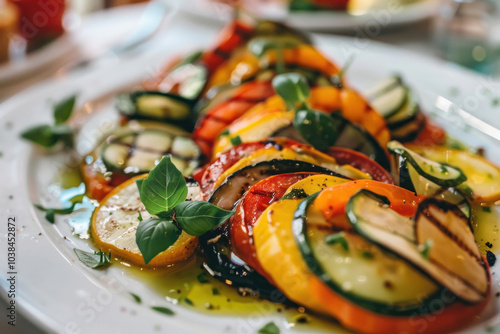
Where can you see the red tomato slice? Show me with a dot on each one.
(213, 122)
(232, 36)
(248, 211)
(345, 156)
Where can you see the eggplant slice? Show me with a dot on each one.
(232, 189)
(442, 245)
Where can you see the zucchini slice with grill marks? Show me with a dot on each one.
(357, 269)
(438, 241)
(165, 107)
(441, 174)
(136, 152)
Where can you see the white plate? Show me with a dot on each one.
(45, 56)
(59, 293)
(83, 38)
(370, 21)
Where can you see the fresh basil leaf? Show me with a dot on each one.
(317, 128)
(199, 217)
(63, 109)
(41, 135)
(260, 45)
(293, 89)
(163, 310)
(139, 182)
(93, 260)
(155, 235)
(164, 188)
(50, 212)
(269, 328)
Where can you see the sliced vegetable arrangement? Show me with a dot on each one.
(258, 157)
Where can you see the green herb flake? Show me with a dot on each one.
(137, 299)
(49, 135)
(486, 209)
(63, 109)
(466, 190)
(163, 310)
(235, 141)
(93, 260)
(431, 168)
(269, 328)
(224, 133)
(202, 278)
(51, 212)
(367, 254)
(495, 102)
(215, 292)
(296, 193)
(425, 249)
(337, 238)
(198, 217)
(139, 216)
(443, 169)
(188, 301)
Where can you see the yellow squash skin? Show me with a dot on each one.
(277, 251)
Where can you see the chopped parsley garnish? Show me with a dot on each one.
(137, 299)
(235, 141)
(296, 193)
(163, 310)
(337, 238)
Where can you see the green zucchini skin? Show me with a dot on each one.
(299, 227)
(368, 146)
(122, 153)
(406, 156)
(129, 106)
(404, 118)
(392, 89)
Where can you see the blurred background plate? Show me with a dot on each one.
(359, 13)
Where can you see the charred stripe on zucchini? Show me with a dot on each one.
(137, 151)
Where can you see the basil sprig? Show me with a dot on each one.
(316, 127)
(164, 194)
(261, 45)
(49, 135)
(93, 260)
